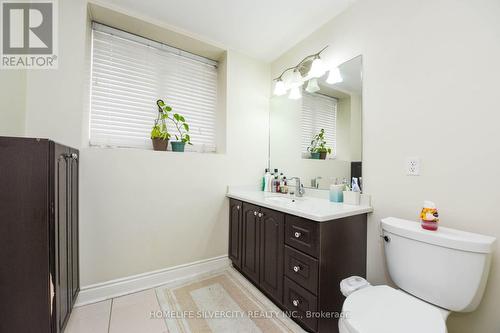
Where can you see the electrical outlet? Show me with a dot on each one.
(413, 166)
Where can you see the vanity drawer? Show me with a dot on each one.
(300, 302)
(302, 269)
(302, 234)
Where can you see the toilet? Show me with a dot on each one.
(436, 272)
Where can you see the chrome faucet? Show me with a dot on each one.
(299, 187)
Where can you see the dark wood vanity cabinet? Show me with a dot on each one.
(256, 238)
(39, 276)
(296, 262)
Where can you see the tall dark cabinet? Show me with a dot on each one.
(39, 272)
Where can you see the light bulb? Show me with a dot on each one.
(296, 79)
(279, 88)
(334, 76)
(318, 68)
(295, 93)
(312, 86)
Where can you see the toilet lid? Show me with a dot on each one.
(382, 309)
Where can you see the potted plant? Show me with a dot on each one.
(159, 133)
(318, 147)
(181, 125)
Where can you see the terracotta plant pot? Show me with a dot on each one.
(178, 146)
(322, 155)
(159, 144)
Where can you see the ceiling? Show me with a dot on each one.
(263, 29)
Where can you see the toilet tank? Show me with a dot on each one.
(447, 267)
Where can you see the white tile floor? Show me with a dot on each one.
(126, 314)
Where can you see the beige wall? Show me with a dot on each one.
(142, 210)
(430, 89)
(12, 102)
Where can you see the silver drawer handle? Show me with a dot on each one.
(296, 268)
(255, 213)
(238, 207)
(260, 214)
(295, 303)
(297, 234)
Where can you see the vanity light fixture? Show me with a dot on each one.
(295, 93)
(296, 79)
(334, 76)
(308, 69)
(312, 86)
(318, 68)
(279, 88)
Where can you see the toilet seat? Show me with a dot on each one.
(382, 309)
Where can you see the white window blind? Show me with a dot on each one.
(130, 73)
(318, 112)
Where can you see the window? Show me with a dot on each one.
(319, 111)
(129, 73)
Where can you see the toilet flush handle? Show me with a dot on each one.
(386, 238)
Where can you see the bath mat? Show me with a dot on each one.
(220, 302)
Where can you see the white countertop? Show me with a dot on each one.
(312, 208)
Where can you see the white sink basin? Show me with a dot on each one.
(282, 200)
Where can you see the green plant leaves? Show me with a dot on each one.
(178, 120)
(318, 143)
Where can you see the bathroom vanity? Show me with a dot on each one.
(297, 250)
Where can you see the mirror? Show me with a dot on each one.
(296, 136)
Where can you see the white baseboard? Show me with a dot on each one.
(131, 284)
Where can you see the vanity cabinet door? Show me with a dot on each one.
(250, 242)
(272, 234)
(235, 234)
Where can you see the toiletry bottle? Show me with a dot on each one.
(346, 185)
(355, 185)
(284, 186)
(263, 186)
(276, 184)
(268, 180)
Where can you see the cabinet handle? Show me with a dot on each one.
(260, 214)
(238, 207)
(74, 156)
(297, 234)
(254, 213)
(295, 302)
(296, 268)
